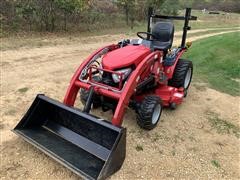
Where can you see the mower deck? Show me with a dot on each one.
(167, 94)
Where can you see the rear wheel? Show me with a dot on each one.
(149, 112)
(182, 75)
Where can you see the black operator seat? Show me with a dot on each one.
(163, 35)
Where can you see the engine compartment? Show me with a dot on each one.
(124, 57)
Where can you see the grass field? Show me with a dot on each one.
(217, 62)
(223, 20)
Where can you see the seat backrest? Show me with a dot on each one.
(164, 33)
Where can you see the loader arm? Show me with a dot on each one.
(73, 87)
(131, 86)
(123, 96)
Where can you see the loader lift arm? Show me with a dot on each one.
(123, 97)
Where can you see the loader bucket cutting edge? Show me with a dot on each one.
(91, 148)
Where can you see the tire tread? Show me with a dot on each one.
(180, 73)
(145, 111)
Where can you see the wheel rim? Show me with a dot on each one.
(156, 114)
(188, 78)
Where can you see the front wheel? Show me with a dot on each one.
(149, 112)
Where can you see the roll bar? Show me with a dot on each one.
(186, 19)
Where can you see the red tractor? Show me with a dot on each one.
(144, 74)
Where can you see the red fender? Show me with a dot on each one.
(169, 70)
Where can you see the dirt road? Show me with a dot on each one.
(186, 144)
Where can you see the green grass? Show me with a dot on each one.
(173, 152)
(11, 112)
(217, 61)
(139, 148)
(217, 30)
(23, 90)
(204, 21)
(215, 163)
(222, 126)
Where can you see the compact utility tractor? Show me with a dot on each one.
(144, 74)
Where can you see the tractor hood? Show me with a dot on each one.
(124, 57)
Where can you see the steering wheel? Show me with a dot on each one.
(145, 38)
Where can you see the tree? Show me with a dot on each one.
(46, 14)
(26, 10)
(127, 5)
(170, 7)
(137, 8)
(69, 7)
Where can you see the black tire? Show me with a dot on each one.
(180, 74)
(84, 95)
(145, 112)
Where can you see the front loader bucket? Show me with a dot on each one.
(91, 148)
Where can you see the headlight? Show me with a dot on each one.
(125, 72)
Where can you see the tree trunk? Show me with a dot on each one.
(30, 25)
(46, 24)
(52, 23)
(132, 22)
(127, 13)
(65, 21)
(30, 22)
(52, 16)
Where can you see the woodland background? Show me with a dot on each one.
(92, 15)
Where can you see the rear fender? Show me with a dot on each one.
(169, 70)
